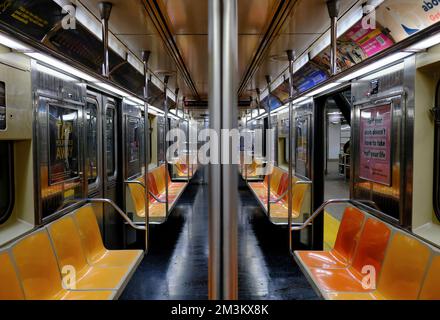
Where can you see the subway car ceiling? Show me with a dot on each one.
(90, 89)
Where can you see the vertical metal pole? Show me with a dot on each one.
(223, 269)
(333, 10)
(167, 78)
(268, 143)
(230, 177)
(291, 58)
(215, 172)
(259, 101)
(105, 9)
(145, 58)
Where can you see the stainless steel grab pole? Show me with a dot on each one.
(215, 105)
(145, 59)
(223, 178)
(290, 58)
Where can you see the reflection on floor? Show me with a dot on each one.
(176, 267)
(177, 264)
(266, 270)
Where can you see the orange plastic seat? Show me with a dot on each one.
(96, 253)
(370, 253)
(10, 287)
(346, 242)
(404, 268)
(431, 286)
(68, 248)
(39, 273)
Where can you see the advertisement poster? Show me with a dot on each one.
(406, 17)
(2, 106)
(63, 144)
(370, 41)
(34, 18)
(308, 77)
(375, 144)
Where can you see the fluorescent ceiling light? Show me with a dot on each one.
(377, 65)
(426, 44)
(134, 101)
(154, 109)
(54, 73)
(12, 44)
(299, 100)
(389, 70)
(322, 89)
(61, 66)
(112, 89)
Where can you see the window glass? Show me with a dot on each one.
(302, 146)
(133, 144)
(6, 181)
(2, 105)
(91, 142)
(63, 144)
(111, 142)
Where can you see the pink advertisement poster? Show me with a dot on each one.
(371, 41)
(375, 144)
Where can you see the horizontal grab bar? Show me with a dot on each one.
(318, 212)
(143, 186)
(300, 182)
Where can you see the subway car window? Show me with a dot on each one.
(92, 142)
(7, 188)
(302, 151)
(63, 147)
(134, 140)
(110, 118)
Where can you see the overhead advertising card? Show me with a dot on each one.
(372, 41)
(375, 144)
(406, 17)
(356, 45)
(33, 18)
(308, 77)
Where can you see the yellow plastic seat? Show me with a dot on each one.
(431, 286)
(96, 253)
(39, 273)
(156, 209)
(69, 251)
(10, 287)
(280, 210)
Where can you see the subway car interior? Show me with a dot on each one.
(220, 150)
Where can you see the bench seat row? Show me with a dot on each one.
(279, 180)
(373, 261)
(66, 260)
(156, 187)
